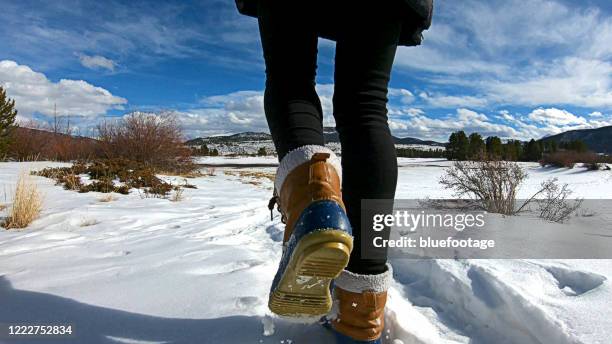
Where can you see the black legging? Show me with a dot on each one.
(365, 49)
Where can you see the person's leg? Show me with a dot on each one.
(292, 106)
(364, 57)
(317, 241)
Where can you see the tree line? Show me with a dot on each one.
(460, 146)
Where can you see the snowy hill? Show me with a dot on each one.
(598, 140)
(144, 270)
(249, 143)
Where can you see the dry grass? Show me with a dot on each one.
(178, 195)
(252, 177)
(107, 198)
(211, 172)
(27, 203)
(249, 176)
(257, 174)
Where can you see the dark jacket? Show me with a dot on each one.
(416, 16)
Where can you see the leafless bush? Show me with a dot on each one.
(569, 159)
(152, 139)
(555, 205)
(36, 141)
(593, 166)
(493, 184)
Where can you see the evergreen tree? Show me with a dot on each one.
(511, 150)
(533, 150)
(554, 147)
(477, 146)
(204, 150)
(452, 147)
(7, 120)
(518, 147)
(575, 145)
(494, 147)
(463, 146)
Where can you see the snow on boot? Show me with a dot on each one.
(318, 240)
(360, 313)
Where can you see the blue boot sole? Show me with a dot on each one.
(318, 250)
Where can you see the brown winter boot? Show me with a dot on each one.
(318, 239)
(361, 303)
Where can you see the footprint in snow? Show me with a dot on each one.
(575, 282)
(247, 302)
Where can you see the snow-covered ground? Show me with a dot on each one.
(143, 270)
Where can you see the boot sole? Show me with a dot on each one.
(317, 259)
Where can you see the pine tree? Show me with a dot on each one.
(451, 147)
(477, 146)
(7, 120)
(553, 146)
(463, 146)
(533, 151)
(494, 147)
(511, 151)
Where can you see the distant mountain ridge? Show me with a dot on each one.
(329, 135)
(598, 140)
(240, 137)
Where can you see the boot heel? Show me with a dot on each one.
(326, 259)
(317, 252)
(304, 288)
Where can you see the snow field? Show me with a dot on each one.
(137, 270)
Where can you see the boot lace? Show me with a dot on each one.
(275, 200)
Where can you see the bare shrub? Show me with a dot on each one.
(555, 206)
(178, 195)
(569, 159)
(151, 139)
(593, 166)
(27, 204)
(104, 174)
(36, 141)
(493, 184)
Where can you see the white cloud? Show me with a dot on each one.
(571, 81)
(537, 124)
(545, 63)
(553, 116)
(35, 93)
(405, 96)
(243, 111)
(447, 102)
(425, 127)
(595, 114)
(97, 62)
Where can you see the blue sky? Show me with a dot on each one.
(512, 68)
